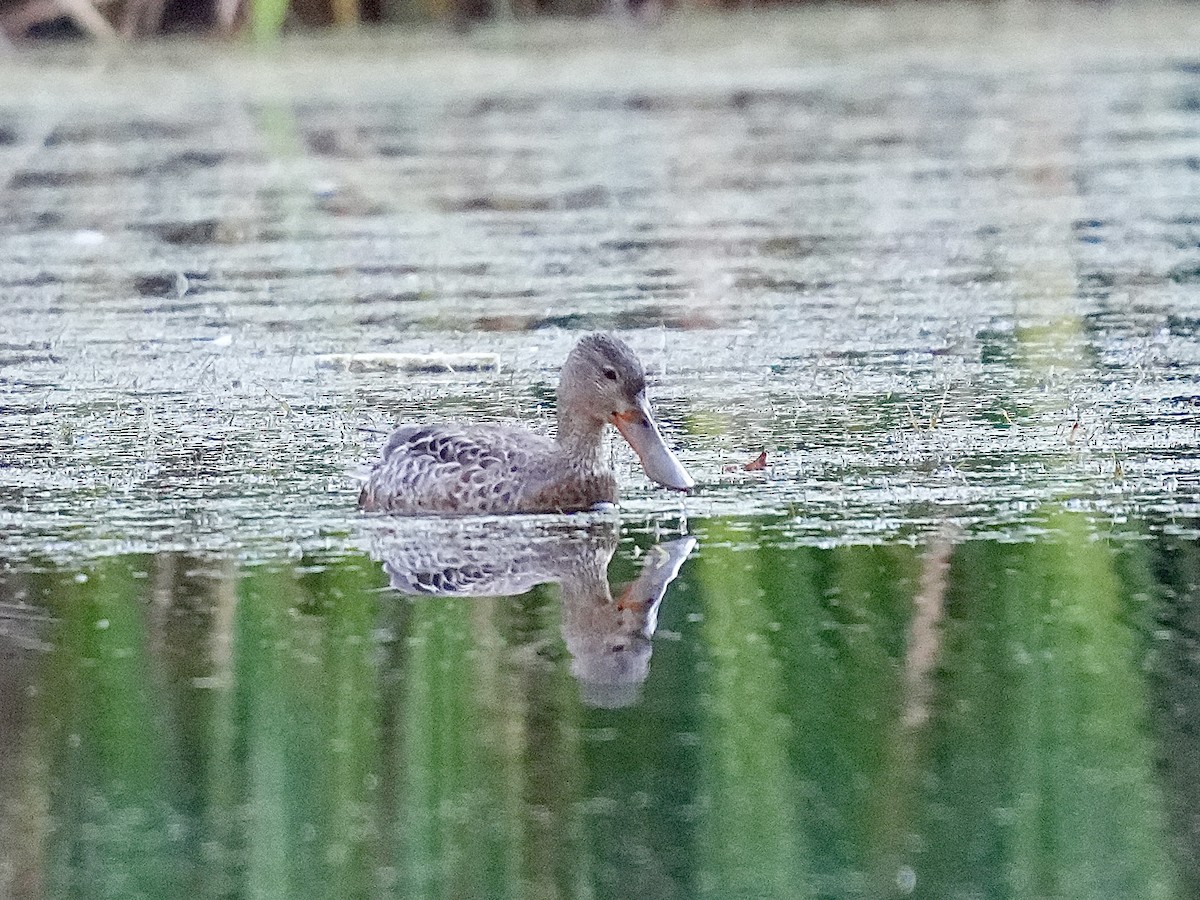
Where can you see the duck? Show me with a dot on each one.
(454, 469)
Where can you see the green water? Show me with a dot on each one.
(957, 719)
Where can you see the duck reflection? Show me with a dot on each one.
(608, 638)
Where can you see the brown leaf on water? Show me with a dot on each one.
(755, 465)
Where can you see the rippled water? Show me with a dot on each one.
(942, 282)
(944, 269)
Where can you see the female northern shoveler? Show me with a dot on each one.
(483, 469)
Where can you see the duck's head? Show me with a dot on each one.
(603, 382)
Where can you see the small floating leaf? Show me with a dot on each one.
(755, 465)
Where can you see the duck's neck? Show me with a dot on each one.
(581, 440)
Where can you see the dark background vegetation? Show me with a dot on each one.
(25, 19)
(20, 19)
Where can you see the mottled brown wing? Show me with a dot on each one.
(429, 469)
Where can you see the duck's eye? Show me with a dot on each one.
(610, 374)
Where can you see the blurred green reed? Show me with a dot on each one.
(1051, 789)
(267, 18)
